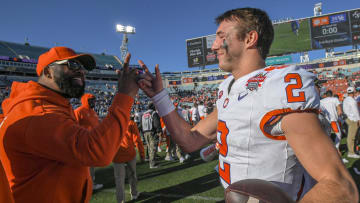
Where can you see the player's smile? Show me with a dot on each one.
(227, 45)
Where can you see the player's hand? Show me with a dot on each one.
(149, 83)
(127, 79)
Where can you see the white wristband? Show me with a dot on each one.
(208, 153)
(163, 103)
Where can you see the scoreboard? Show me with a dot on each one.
(355, 26)
(330, 31)
(199, 51)
(335, 30)
(318, 32)
(294, 36)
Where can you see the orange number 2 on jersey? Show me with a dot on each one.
(298, 85)
(225, 170)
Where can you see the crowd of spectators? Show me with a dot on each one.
(338, 80)
(182, 97)
(186, 97)
(190, 96)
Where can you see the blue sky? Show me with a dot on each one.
(162, 25)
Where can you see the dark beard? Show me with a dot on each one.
(69, 90)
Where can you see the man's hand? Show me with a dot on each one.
(127, 79)
(149, 83)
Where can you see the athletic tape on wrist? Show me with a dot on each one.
(163, 103)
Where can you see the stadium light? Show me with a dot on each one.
(124, 45)
(125, 29)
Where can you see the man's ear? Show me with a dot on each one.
(47, 72)
(251, 39)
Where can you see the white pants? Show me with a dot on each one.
(119, 173)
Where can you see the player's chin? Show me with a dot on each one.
(225, 67)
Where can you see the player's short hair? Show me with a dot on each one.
(329, 93)
(251, 19)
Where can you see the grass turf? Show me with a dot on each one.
(192, 181)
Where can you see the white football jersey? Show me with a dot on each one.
(324, 118)
(330, 104)
(202, 110)
(195, 114)
(247, 149)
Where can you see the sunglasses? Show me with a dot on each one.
(73, 65)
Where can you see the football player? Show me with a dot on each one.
(266, 117)
(333, 106)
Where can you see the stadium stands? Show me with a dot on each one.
(107, 62)
(18, 63)
(22, 50)
(26, 53)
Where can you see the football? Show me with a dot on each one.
(254, 189)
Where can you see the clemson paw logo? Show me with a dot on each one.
(221, 94)
(226, 102)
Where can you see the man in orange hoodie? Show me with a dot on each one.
(125, 159)
(87, 117)
(46, 154)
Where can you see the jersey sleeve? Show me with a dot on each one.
(291, 88)
(287, 90)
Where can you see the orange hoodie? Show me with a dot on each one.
(126, 150)
(86, 116)
(5, 193)
(45, 153)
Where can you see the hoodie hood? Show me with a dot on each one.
(85, 99)
(21, 92)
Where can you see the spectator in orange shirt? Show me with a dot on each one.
(125, 159)
(46, 154)
(87, 117)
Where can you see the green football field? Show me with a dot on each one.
(192, 181)
(286, 41)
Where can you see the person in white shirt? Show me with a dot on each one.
(333, 106)
(353, 120)
(330, 123)
(185, 113)
(195, 117)
(202, 110)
